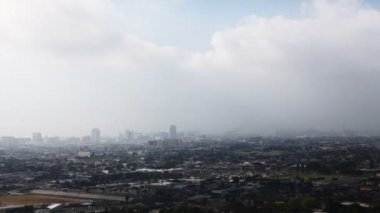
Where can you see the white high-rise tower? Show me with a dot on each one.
(95, 135)
(173, 132)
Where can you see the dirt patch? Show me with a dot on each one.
(35, 199)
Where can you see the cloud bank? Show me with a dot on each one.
(67, 66)
(318, 71)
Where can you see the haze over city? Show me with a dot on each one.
(214, 66)
(189, 106)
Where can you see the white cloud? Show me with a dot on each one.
(315, 71)
(74, 63)
(341, 32)
(78, 63)
(80, 32)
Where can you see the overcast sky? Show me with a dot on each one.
(67, 66)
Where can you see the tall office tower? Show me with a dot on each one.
(95, 135)
(129, 135)
(37, 137)
(173, 132)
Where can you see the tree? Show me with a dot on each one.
(309, 203)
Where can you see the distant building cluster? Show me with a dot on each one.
(164, 138)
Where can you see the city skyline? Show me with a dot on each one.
(96, 135)
(161, 106)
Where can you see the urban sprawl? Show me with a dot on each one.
(190, 172)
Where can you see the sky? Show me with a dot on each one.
(254, 66)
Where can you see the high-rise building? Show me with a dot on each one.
(130, 135)
(37, 137)
(173, 132)
(95, 135)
